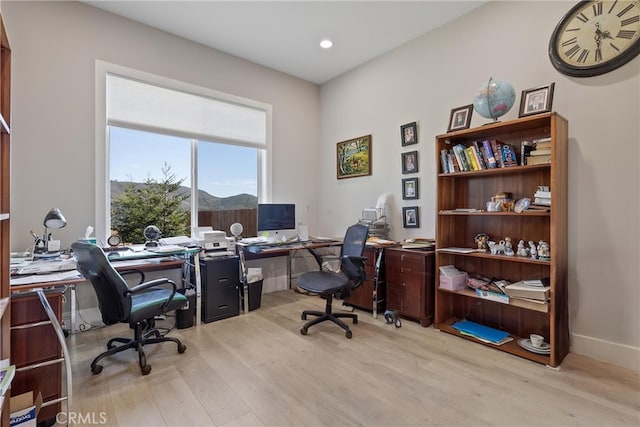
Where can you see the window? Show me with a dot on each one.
(216, 144)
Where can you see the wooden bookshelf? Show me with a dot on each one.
(471, 190)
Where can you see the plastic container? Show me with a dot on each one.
(454, 283)
(186, 315)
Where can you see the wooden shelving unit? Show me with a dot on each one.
(471, 190)
(5, 170)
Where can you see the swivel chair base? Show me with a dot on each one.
(328, 315)
(145, 332)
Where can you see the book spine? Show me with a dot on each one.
(491, 158)
(497, 151)
(479, 156)
(443, 161)
(462, 160)
(472, 160)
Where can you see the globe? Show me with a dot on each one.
(152, 233)
(494, 99)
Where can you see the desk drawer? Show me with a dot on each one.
(220, 303)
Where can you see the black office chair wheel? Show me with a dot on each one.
(355, 321)
(348, 334)
(303, 331)
(182, 348)
(95, 370)
(304, 316)
(145, 369)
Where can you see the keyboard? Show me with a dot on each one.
(254, 240)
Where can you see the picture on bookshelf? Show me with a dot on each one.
(411, 217)
(410, 162)
(536, 100)
(460, 118)
(409, 134)
(410, 189)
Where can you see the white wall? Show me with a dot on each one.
(424, 79)
(55, 46)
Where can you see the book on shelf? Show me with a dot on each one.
(489, 154)
(480, 157)
(539, 160)
(508, 156)
(542, 201)
(525, 148)
(546, 139)
(470, 152)
(539, 152)
(482, 332)
(542, 194)
(492, 296)
(545, 281)
(533, 207)
(520, 290)
(532, 304)
(459, 152)
(6, 376)
(443, 161)
(543, 145)
(496, 146)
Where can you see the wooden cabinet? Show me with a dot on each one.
(5, 175)
(38, 366)
(410, 283)
(471, 190)
(366, 296)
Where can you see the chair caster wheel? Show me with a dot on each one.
(304, 316)
(182, 348)
(95, 370)
(355, 321)
(348, 334)
(303, 331)
(145, 369)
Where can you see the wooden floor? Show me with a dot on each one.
(258, 370)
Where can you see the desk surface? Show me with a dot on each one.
(280, 249)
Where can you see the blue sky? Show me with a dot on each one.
(223, 170)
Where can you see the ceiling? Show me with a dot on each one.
(285, 35)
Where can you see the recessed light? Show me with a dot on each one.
(326, 44)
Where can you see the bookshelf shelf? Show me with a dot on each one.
(457, 229)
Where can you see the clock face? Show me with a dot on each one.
(596, 37)
(114, 240)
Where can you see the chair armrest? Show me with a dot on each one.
(131, 271)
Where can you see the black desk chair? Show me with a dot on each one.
(136, 306)
(340, 284)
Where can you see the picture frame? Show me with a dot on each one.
(460, 118)
(410, 162)
(411, 217)
(353, 157)
(410, 189)
(536, 100)
(409, 134)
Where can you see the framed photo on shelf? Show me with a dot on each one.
(460, 118)
(409, 134)
(536, 100)
(410, 162)
(411, 216)
(353, 157)
(410, 189)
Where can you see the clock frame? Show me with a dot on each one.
(596, 37)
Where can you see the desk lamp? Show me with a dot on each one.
(41, 246)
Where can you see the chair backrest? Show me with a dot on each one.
(111, 289)
(353, 244)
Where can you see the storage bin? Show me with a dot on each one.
(454, 283)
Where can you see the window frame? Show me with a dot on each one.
(102, 149)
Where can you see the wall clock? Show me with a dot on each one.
(596, 37)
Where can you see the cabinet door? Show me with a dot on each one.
(413, 279)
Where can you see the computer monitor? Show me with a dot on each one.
(277, 221)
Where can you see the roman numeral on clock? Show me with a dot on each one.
(625, 10)
(571, 41)
(571, 52)
(630, 20)
(625, 34)
(583, 55)
(597, 9)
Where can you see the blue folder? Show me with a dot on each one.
(481, 331)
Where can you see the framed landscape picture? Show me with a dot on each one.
(353, 157)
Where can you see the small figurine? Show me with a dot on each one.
(481, 239)
(522, 251)
(533, 252)
(508, 247)
(496, 248)
(544, 252)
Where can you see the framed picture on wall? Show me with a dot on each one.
(411, 216)
(410, 188)
(536, 100)
(410, 162)
(353, 157)
(460, 118)
(409, 134)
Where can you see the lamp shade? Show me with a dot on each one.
(54, 219)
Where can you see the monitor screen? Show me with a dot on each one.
(276, 216)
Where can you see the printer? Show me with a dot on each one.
(210, 239)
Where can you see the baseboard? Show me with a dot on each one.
(622, 355)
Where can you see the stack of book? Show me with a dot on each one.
(541, 198)
(535, 290)
(542, 152)
(419, 243)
